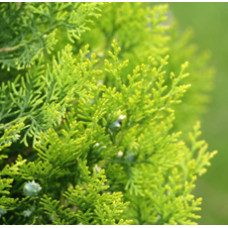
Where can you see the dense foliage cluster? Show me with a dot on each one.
(93, 98)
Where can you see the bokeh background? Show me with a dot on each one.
(210, 24)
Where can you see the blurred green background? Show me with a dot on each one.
(210, 24)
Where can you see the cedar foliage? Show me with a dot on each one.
(93, 101)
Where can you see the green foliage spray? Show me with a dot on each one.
(93, 101)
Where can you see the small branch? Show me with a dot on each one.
(6, 49)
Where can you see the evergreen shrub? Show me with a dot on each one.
(93, 101)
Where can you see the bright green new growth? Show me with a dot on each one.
(89, 133)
